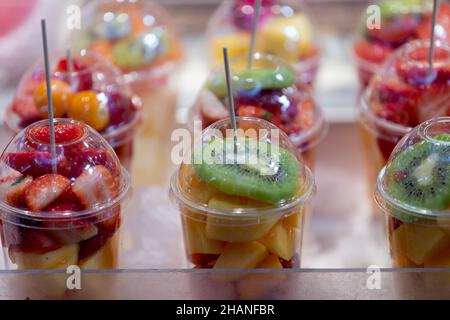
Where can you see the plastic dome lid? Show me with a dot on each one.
(406, 92)
(264, 174)
(415, 182)
(266, 91)
(284, 30)
(134, 35)
(83, 179)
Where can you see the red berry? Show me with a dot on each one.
(442, 24)
(398, 113)
(28, 240)
(64, 133)
(36, 164)
(83, 80)
(394, 91)
(121, 109)
(373, 52)
(395, 32)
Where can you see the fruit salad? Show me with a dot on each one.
(284, 30)
(268, 92)
(87, 89)
(238, 213)
(402, 95)
(401, 21)
(414, 193)
(63, 210)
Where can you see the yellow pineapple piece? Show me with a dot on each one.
(439, 260)
(292, 221)
(196, 239)
(105, 258)
(241, 256)
(237, 44)
(57, 259)
(418, 242)
(280, 241)
(287, 37)
(193, 187)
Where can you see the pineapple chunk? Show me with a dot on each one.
(105, 258)
(57, 259)
(241, 256)
(418, 242)
(292, 221)
(196, 239)
(281, 242)
(237, 44)
(439, 260)
(287, 37)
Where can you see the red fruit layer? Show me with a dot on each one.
(386, 147)
(82, 80)
(36, 164)
(28, 240)
(372, 52)
(442, 21)
(395, 32)
(64, 133)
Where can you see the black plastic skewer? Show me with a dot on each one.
(433, 31)
(49, 96)
(251, 51)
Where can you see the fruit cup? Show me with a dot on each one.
(93, 93)
(401, 21)
(267, 91)
(284, 30)
(137, 37)
(404, 93)
(245, 212)
(61, 211)
(414, 193)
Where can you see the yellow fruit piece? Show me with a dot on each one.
(61, 96)
(86, 106)
(439, 260)
(281, 242)
(418, 242)
(196, 240)
(105, 258)
(237, 44)
(193, 187)
(294, 220)
(287, 37)
(57, 259)
(241, 256)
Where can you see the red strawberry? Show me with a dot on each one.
(386, 147)
(256, 112)
(394, 91)
(395, 32)
(45, 190)
(35, 164)
(83, 78)
(121, 109)
(89, 157)
(95, 186)
(64, 133)
(210, 108)
(28, 240)
(372, 52)
(12, 189)
(400, 113)
(442, 28)
(434, 102)
(79, 230)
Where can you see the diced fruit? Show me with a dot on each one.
(395, 32)
(399, 113)
(12, 189)
(395, 91)
(35, 164)
(105, 258)
(196, 239)
(57, 259)
(64, 133)
(89, 157)
(74, 234)
(61, 207)
(121, 110)
(203, 261)
(61, 96)
(45, 190)
(28, 240)
(95, 186)
(293, 221)
(237, 44)
(386, 147)
(193, 187)
(372, 52)
(92, 245)
(439, 260)
(280, 241)
(287, 37)
(419, 242)
(211, 108)
(81, 80)
(240, 256)
(89, 107)
(442, 29)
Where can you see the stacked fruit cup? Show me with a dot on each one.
(138, 38)
(403, 94)
(92, 92)
(60, 211)
(401, 21)
(239, 214)
(268, 92)
(283, 30)
(414, 193)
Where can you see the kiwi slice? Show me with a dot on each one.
(257, 170)
(420, 176)
(248, 80)
(392, 8)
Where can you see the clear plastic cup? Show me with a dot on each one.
(93, 93)
(267, 92)
(401, 22)
(138, 37)
(228, 221)
(63, 211)
(413, 192)
(401, 95)
(284, 30)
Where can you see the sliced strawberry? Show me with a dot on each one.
(89, 157)
(12, 189)
(400, 113)
(395, 32)
(36, 164)
(80, 230)
(64, 133)
(372, 52)
(28, 240)
(252, 111)
(442, 28)
(434, 102)
(45, 190)
(83, 79)
(392, 90)
(121, 109)
(210, 107)
(26, 109)
(95, 186)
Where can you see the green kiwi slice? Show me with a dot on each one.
(420, 175)
(271, 176)
(392, 8)
(248, 80)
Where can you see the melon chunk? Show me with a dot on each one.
(419, 242)
(292, 221)
(196, 240)
(439, 260)
(241, 256)
(57, 259)
(281, 242)
(105, 258)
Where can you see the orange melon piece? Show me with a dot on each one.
(196, 240)
(105, 258)
(241, 256)
(281, 242)
(57, 259)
